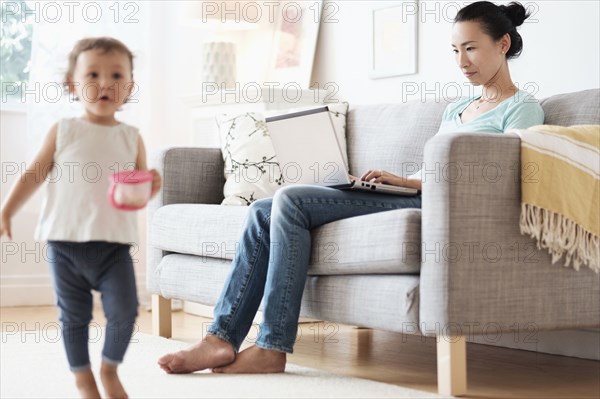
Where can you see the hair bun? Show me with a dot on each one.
(516, 13)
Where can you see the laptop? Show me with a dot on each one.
(309, 153)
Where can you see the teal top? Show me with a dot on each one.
(520, 111)
(517, 112)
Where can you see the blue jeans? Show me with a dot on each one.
(77, 269)
(273, 257)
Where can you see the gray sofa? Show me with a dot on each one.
(453, 268)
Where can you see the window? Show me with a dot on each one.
(15, 49)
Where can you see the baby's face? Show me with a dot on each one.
(103, 81)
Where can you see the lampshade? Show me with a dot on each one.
(218, 63)
(220, 19)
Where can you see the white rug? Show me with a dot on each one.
(33, 365)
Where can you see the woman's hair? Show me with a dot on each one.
(105, 44)
(496, 21)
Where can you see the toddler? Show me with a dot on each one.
(89, 240)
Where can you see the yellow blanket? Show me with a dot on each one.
(560, 190)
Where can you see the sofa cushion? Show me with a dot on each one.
(198, 229)
(392, 306)
(392, 245)
(380, 243)
(579, 108)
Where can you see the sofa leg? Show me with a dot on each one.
(452, 365)
(161, 316)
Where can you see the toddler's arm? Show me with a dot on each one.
(141, 164)
(31, 180)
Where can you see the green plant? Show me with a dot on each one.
(15, 50)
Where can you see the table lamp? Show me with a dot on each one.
(218, 51)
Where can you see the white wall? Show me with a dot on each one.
(24, 271)
(561, 52)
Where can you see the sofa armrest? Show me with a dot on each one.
(190, 175)
(478, 272)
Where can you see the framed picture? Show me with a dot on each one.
(294, 42)
(393, 40)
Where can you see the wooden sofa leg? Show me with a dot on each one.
(452, 365)
(161, 316)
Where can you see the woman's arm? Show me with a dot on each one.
(140, 164)
(381, 176)
(29, 182)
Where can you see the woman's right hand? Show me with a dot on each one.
(383, 177)
(5, 226)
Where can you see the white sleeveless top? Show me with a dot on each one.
(75, 206)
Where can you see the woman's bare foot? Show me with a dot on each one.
(111, 382)
(255, 360)
(86, 384)
(209, 353)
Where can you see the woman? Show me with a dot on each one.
(275, 243)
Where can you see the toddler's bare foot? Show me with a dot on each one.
(255, 360)
(86, 384)
(111, 382)
(208, 353)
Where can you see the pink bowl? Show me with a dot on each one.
(130, 190)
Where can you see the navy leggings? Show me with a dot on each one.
(77, 269)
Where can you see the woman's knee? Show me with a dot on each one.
(260, 210)
(261, 204)
(290, 195)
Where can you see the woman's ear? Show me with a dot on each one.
(504, 43)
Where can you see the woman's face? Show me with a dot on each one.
(478, 56)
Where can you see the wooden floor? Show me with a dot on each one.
(392, 358)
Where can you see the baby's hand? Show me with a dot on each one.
(156, 182)
(5, 226)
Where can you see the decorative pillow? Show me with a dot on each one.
(251, 168)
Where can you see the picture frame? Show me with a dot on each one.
(393, 42)
(294, 42)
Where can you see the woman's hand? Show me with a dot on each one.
(383, 177)
(156, 182)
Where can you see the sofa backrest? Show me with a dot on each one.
(392, 136)
(579, 108)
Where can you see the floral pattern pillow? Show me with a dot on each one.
(251, 170)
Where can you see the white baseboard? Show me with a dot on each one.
(26, 290)
(37, 290)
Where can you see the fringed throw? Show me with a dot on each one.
(560, 190)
